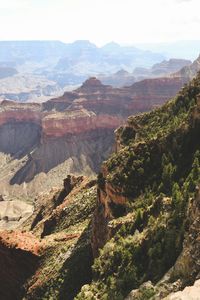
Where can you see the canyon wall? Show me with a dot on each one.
(69, 134)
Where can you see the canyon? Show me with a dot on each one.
(40, 143)
(132, 232)
(39, 70)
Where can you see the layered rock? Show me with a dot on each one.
(72, 133)
(170, 66)
(146, 222)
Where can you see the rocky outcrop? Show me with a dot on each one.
(62, 220)
(189, 293)
(145, 229)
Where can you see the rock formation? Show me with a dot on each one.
(146, 221)
(71, 134)
(131, 234)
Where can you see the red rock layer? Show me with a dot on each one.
(54, 126)
(92, 106)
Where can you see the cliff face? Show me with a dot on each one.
(146, 221)
(19, 259)
(62, 221)
(71, 134)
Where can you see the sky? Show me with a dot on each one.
(100, 21)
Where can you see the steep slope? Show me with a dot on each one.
(19, 257)
(136, 234)
(54, 260)
(189, 71)
(35, 142)
(148, 204)
(69, 134)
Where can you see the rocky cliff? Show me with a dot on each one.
(19, 256)
(148, 205)
(54, 260)
(70, 134)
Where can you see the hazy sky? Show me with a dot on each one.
(100, 21)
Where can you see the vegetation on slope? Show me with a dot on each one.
(65, 228)
(156, 170)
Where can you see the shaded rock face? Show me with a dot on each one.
(82, 152)
(19, 138)
(16, 266)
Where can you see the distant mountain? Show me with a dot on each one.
(23, 51)
(169, 66)
(124, 78)
(83, 56)
(65, 65)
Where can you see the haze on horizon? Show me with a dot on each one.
(100, 21)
